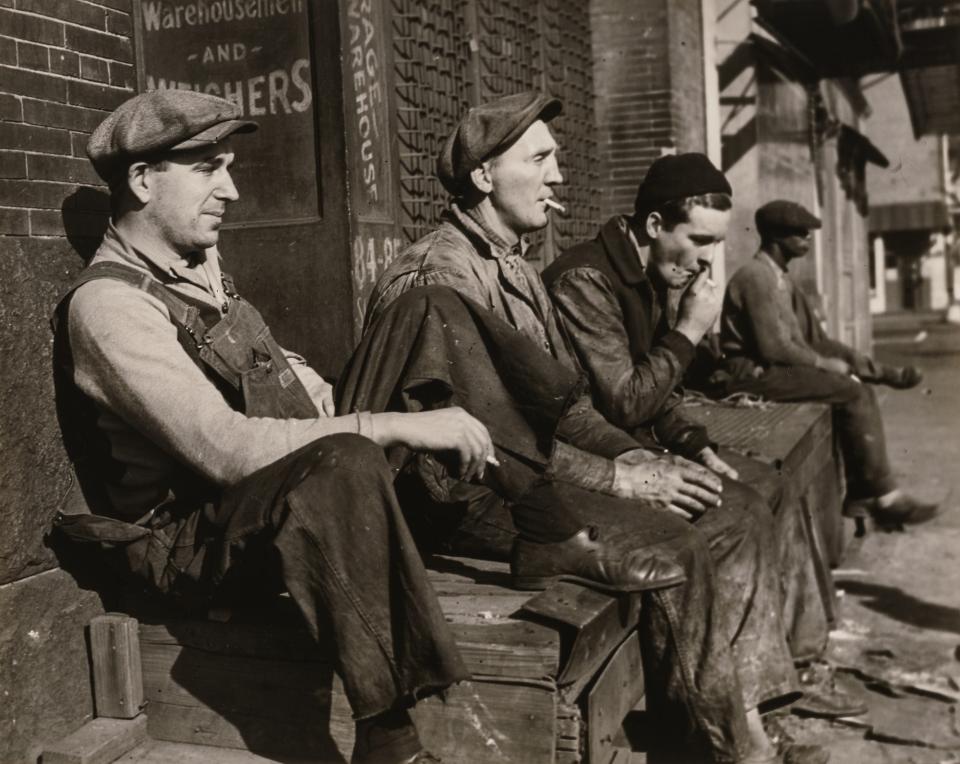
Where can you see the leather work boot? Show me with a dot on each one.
(901, 377)
(904, 511)
(612, 565)
(828, 705)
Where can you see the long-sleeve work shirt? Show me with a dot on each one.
(759, 321)
(158, 410)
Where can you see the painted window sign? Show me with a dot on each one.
(368, 132)
(255, 53)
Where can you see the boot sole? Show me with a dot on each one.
(539, 583)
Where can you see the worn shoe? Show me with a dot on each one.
(904, 511)
(610, 564)
(805, 754)
(828, 705)
(901, 377)
(792, 754)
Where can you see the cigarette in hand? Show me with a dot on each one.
(556, 205)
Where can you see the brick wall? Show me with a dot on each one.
(648, 80)
(63, 65)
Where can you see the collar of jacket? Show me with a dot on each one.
(486, 241)
(624, 255)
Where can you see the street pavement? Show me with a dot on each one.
(896, 642)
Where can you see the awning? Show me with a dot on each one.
(842, 38)
(933, 99)
(909, 216)
(930, 65)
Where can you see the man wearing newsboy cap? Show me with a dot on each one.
(775, 346)
(211, 458)
(703, 636)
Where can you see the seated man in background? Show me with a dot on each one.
(500, 166)
(212, 459)
(775, 347)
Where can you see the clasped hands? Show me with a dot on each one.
(677, 484)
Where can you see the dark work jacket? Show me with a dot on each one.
(616, 320)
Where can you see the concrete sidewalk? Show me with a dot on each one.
(897, 640)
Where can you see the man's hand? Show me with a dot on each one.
(709, 459)
(450, 429)
(699, 307)
(836, 365)
(682, 487)
(320, 392)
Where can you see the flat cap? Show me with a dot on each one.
(160, 121)
(783, 215)
(488, 129)
(677, 176)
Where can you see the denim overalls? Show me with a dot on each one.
(239, 355)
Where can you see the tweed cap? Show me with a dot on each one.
(785, 216)
(488, 129)
(677, 176)
(160, 121)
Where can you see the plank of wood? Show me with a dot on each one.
(265, 640)
(488, 722)
(593, 624)
(115, 654)
(615, 692)
(475, 722)
(99, 741)
(165, 752)
(512, 650)
(570, 604)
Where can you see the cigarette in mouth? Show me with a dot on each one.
(556, 205)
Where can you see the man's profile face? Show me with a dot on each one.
(796, 243)
(522, 177)
(189, 195)
(679, 255)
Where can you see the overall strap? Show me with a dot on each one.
(179, 310)
(190, 327)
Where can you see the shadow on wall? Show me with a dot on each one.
(85, 215)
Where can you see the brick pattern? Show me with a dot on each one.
(648, 81)
(63, 65)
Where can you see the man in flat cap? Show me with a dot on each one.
(775, 346)
(712, 647)
(213, 459)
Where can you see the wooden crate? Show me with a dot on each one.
(264, 686)
(797, 438)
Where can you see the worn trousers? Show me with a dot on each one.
(305, 517)
(804, 613)
(857, 422)
(710, 645)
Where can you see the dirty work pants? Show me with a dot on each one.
(805, 615)
(309, 514)
(857, 422)
(711, 644)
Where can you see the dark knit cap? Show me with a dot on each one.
(488, 129)
(677, 176)
(782, 216)
(159, 121)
